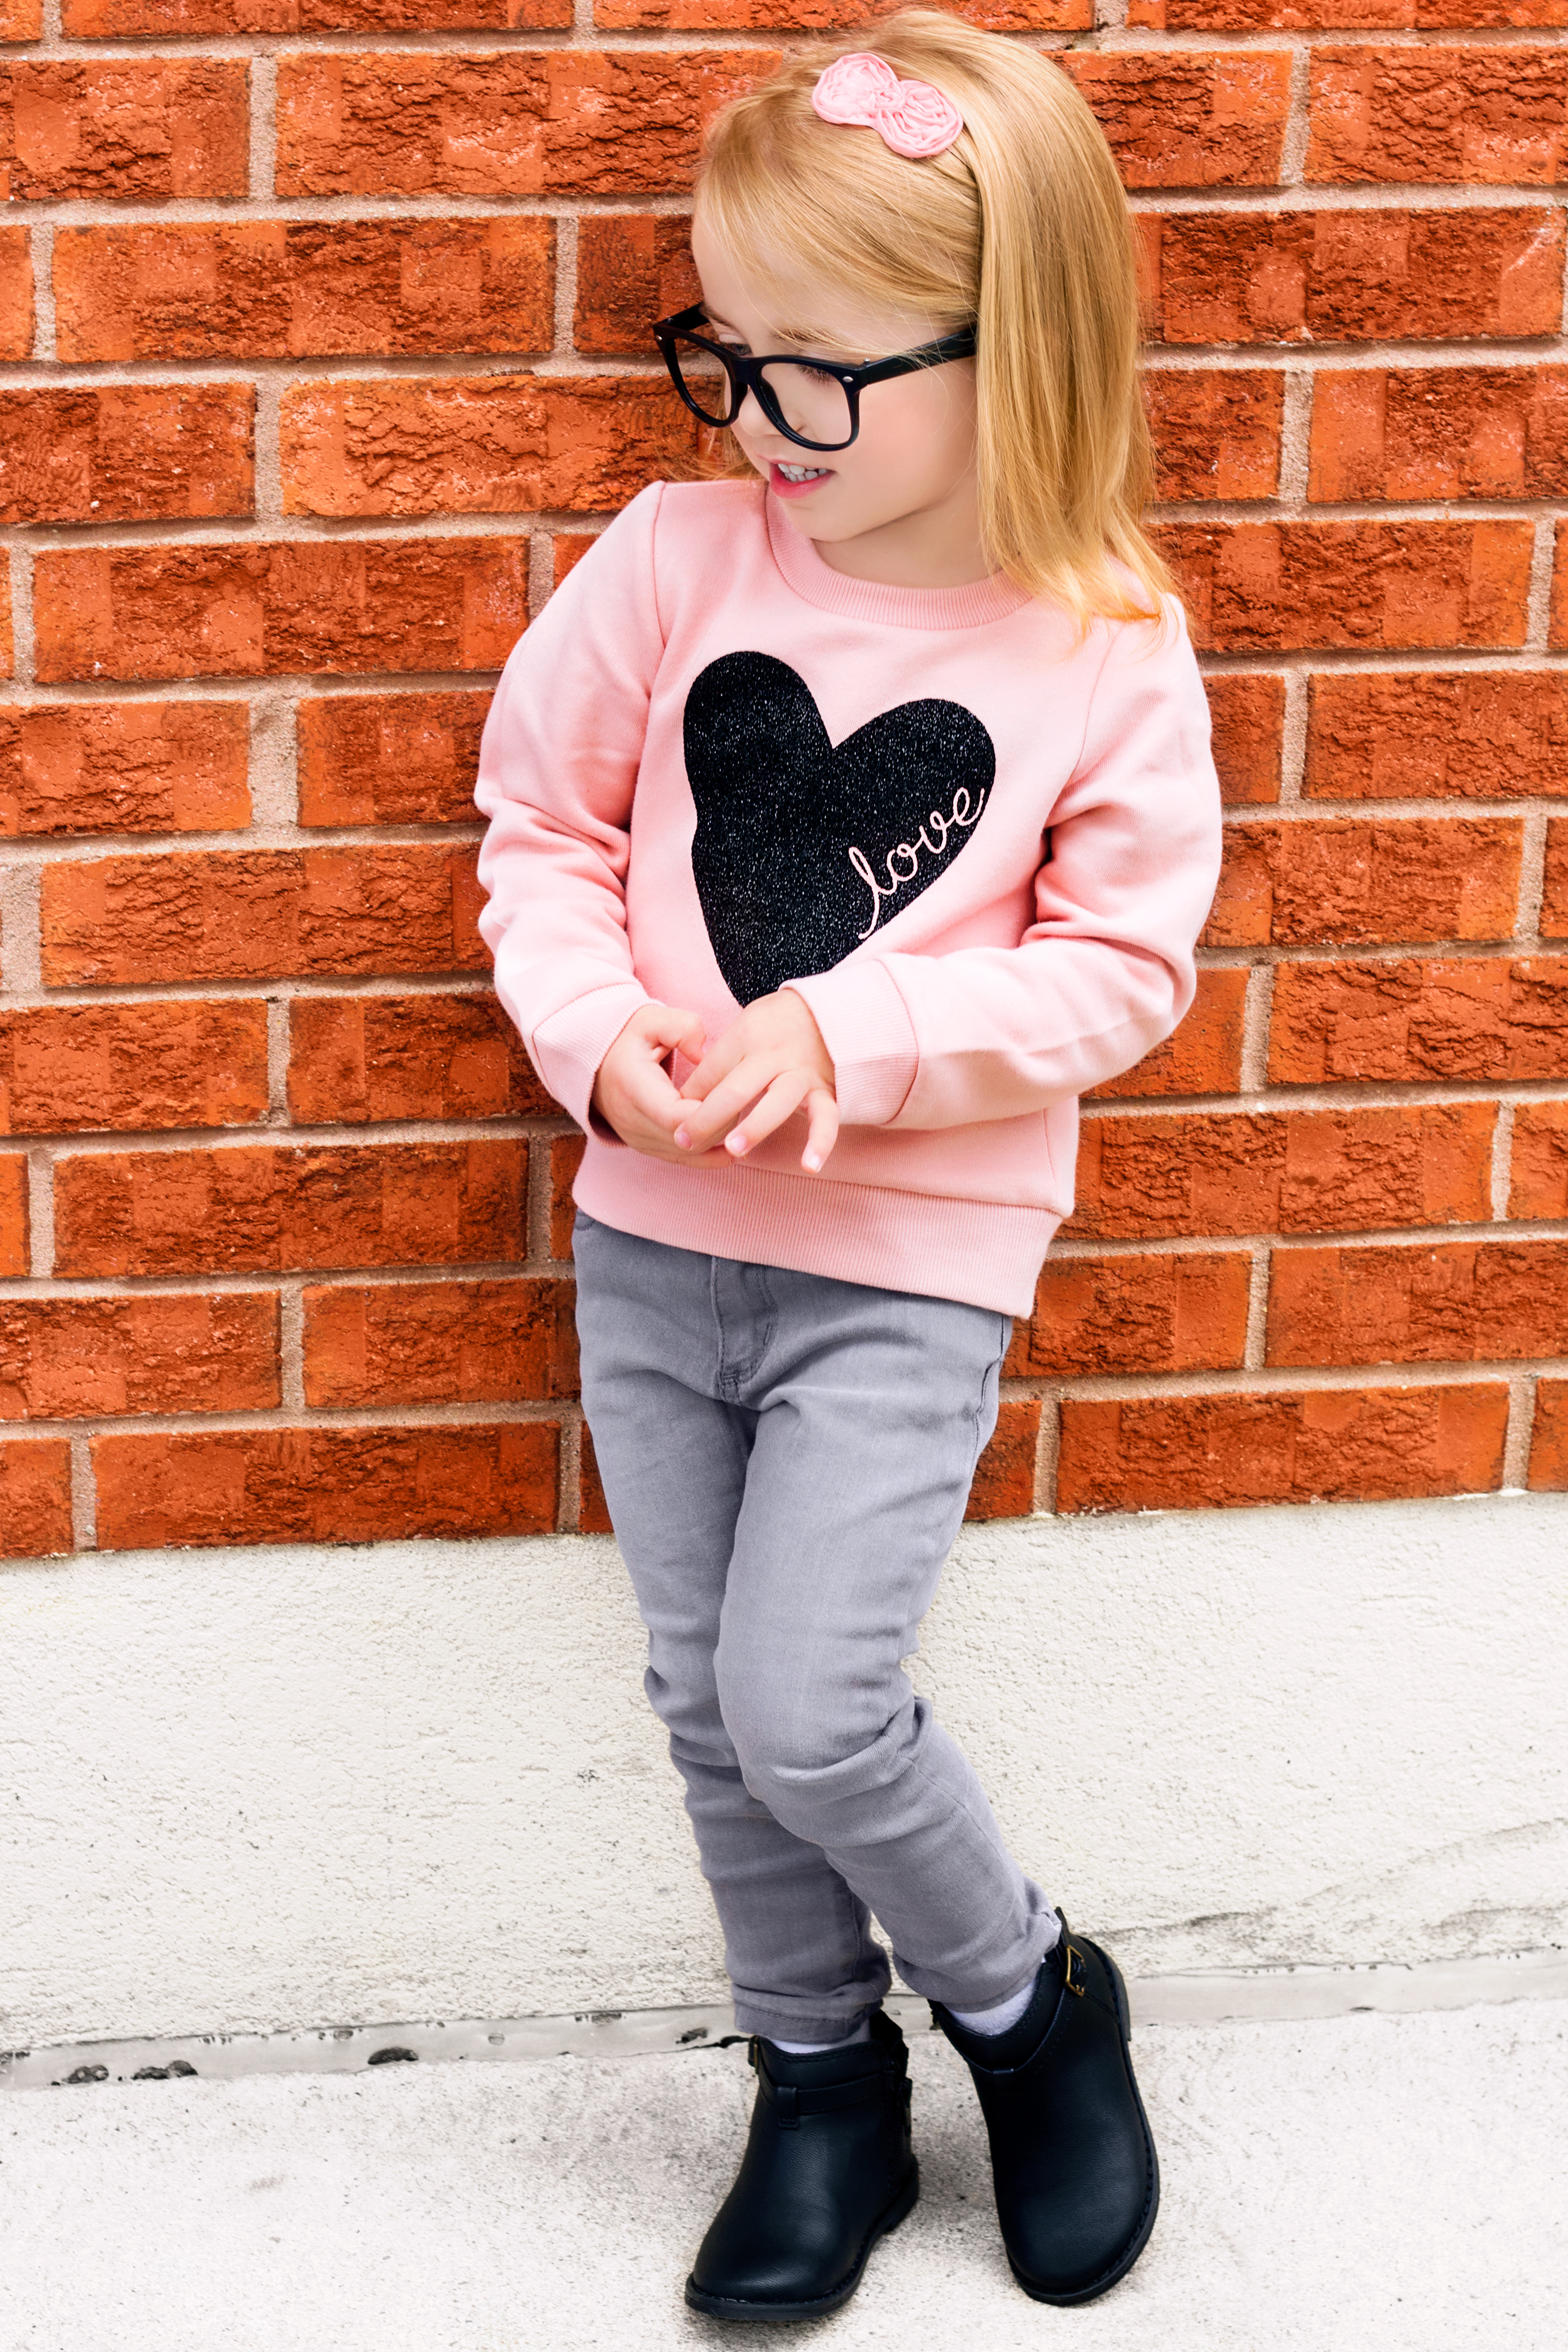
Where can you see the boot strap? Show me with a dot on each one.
(791, 2100)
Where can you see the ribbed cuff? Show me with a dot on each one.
(866, 1027)
(569, 1046)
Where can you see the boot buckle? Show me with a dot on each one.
(1075, 1982)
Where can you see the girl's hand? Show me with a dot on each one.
(633, 1092)
(767, 1065)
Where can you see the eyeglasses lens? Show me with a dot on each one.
(812, 402)
(705, 381)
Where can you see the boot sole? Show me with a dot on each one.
(730, 2306)
(1124, 2260)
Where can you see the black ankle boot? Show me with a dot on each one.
(1073, 2158)
(828, 2170)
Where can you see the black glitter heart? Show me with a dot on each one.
(801, 850)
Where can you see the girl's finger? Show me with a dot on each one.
(823, 1131)
(781, 1101)
(729, 1101)
(724, 1055)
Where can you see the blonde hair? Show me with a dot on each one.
(1022, 227)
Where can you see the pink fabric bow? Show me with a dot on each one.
(913, 117)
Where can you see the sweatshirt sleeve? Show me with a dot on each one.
(558, 768)
(1105, 969)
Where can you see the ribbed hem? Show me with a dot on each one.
(970, 607)
(982, 1253)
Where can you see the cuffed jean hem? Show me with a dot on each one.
(787, 2025)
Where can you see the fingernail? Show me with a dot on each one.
(683, 1138)
(814, 1161)
(740, 1144)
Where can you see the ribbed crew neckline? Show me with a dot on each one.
(970, 607)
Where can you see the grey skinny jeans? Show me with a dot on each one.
(787, 1459)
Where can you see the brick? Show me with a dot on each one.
(301, 289)
(440, 1343)
(66, 1068)
(514, 123)
(270, 1208)
(632, 267)
(1266, 587)
(828, 15)
(261, 609)
(1335, 1445)
(1488, 117)
(1430, 734)
(1439, 433)
(7, 649)
(1493, 1018)
(479, 444)
(130, 20)
(260, 913)
(1247, 709)
(1539, 1185)
(325, 1486)
(1184, 118)
(126, 453)
(35, 1498)
(1114, 1315)
(1465, 1302)
(66, 1359)
(1203, 1057)
(592, 1510)
(358, 1059)
(1548, 1472)
(1003, 1486)
(565, 1160)
(14, 1245)
(1327, 881)
(1555, 896)
(1289, 1172)
(16, 289)
(21, 20)
(1275, 16)
(397, 759)
(123, 130)
(1215, 431)
(568, 548)
(123, 767)
(1333, 277)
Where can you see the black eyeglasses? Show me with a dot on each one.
(814, 403)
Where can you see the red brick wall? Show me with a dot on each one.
(320, 331)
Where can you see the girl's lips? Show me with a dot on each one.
(783, 488)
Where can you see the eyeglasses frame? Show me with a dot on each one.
(745, 371)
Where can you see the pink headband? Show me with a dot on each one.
(912, 116)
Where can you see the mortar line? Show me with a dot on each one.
(40, 1213)
(1293, 736)
(291, 1345)
(1254, 1352)
(568, 1472)
(1516, 1449)
(84, 1496)
(1048, 1444)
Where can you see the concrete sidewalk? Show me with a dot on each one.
(1387, 2182)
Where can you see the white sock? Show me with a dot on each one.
(815, 2049)
(996, 2020)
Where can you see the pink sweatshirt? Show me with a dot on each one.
(980, 852)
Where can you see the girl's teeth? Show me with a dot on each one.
(802, 473)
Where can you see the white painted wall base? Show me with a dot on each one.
(1222, 1996)
(248, 1792)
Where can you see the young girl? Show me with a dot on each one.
(848, 820)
